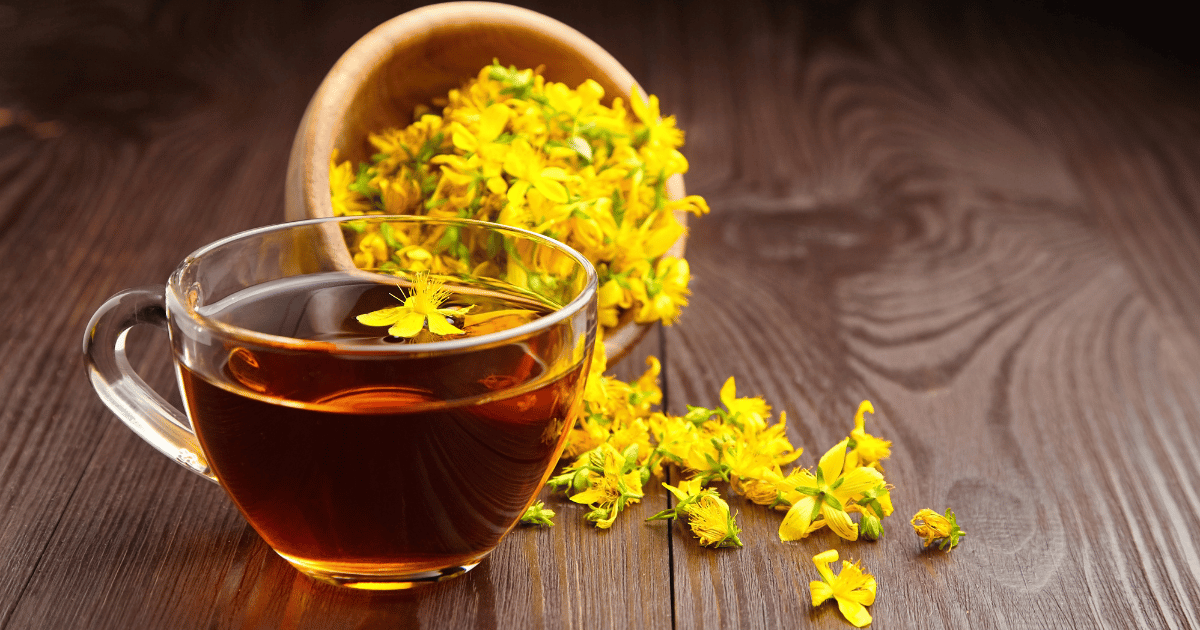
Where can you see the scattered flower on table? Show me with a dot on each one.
(933, 528)
(706, 512)
(866, 449)
(605, 479)
(827, 497)
(852, 588)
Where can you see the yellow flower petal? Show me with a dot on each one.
(820, 591)
(492, 122)
(839, 521)
(728, 392)
(833, 460)
(854, 612)
(797, 520)
(439, 325)
(823, 560)
(595, 494)
(552, 190)
(858, 481)
(408, 326)
(384, 316)
(863, 408)
(516, 193)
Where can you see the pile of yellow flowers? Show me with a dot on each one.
(510, 147)
(620, 441)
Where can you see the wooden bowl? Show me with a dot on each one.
(423, 54)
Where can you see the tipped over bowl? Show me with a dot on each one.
(418, 57)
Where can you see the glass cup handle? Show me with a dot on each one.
(126, 394)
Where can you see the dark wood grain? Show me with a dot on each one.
(991, 238)
(982, 217)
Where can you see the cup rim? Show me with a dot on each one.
(176, 294)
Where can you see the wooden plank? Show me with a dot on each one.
(997, 291)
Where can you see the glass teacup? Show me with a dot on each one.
(327, 390)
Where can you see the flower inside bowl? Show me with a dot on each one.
(416, 59)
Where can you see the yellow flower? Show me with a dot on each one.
(613, 481)
(372, 250)
(874, 504)
(866, 449)
(932, 527)
(587, 434)
(712, 523)
(646, 390)
(344, 200)
(660, 131)
(615, 411)
(674, 435)
(524, 163)
(823, 498)
(743, 411)
(410, 146)
(663, 293)
(420, 308)
(400, 196)
(853, 589)
(753, 454)
(762, 491)
(612, 299)
(708, 514)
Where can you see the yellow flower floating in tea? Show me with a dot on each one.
(421, 309)
(512, 148)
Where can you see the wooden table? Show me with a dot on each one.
(982, 219)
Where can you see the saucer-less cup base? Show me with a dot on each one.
(350, 578)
